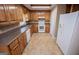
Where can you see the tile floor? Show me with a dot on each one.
(42, 44)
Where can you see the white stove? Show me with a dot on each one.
(41, 25)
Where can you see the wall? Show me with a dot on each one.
(61, 9)
(54, 20)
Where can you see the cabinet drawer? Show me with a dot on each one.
(16, 50)
(13, 44)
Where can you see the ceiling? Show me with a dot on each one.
(39, 6)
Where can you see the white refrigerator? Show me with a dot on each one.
(68, 33)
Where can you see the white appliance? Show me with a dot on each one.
(28, 35)
(68, 33)
(41, 25)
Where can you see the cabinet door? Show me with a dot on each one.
(34, 16)
(28, 15)
(19, 12)
(22, 42)
(35, 28)
(16, 50)
(13, 44)
(2, 14)
(47, 16)
(12, 12)
(14, 47)
(24, 39)
(47, 28)
(7, 13)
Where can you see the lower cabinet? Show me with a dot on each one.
(17, 46)
(47, 28)
(16, 50)
(22, 42)
(35, 28)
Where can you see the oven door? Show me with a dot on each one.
(41, 28)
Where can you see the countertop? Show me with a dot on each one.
(36, 22)
(8, 37)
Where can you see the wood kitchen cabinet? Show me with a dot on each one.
(16, 50)
(2, 14)
(36, 14)
(35, 28)
(26, 13)
(47, 17)
(13, 12)
(22, 41)
(72, 8)
(14, 47)
(29, 16)
(47, 27)
(17, 46)
(19, 12)
(10, 12)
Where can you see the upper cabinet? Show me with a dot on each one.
(19, 11)
(11, 12)
(2, 14)
(72, 8)
(26, 15)
(35, 15)
(47, 16)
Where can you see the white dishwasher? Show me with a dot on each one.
(28, 35)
